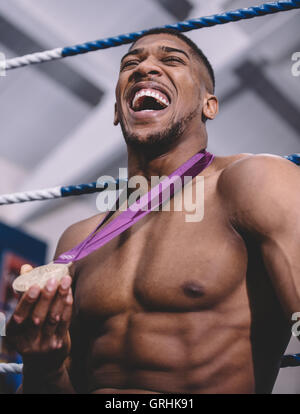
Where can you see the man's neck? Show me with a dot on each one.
(163, 164)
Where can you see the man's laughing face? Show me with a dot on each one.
(160, 92)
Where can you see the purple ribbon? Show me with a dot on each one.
(147, 203)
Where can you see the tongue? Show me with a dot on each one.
(148, 103)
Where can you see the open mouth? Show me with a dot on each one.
(148, 99)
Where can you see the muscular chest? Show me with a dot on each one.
(162, 263)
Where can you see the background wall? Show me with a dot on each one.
(56, 119)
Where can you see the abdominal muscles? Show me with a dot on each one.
(191, 352)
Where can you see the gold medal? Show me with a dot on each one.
(40, 275)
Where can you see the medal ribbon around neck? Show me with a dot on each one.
(147, 203)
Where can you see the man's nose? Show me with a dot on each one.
(145, 68)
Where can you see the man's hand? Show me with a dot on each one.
(39, 327)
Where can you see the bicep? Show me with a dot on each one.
(276, 221)
(266, 204)
(280, 253)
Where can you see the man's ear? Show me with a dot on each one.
(211, 107)
(116, 119)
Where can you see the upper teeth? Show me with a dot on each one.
(155, 95)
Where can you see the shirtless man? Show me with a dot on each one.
(171, 306)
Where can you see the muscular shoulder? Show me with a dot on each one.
(260, 188)
(76, 233)
(246, 173)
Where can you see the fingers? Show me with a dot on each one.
(57, 307)
(65, 320)
(42, 306)
(42, 317)
(25, 269)
(26, 304)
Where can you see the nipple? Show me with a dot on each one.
(193, 289)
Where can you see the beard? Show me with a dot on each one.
(153, 145)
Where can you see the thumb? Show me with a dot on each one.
(25, 269)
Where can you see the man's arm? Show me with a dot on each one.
(263, 197)
(40, 375)
(38, 330)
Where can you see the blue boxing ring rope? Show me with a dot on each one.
(184, 26)
(80, 189)
(59, 53)
(57, 192)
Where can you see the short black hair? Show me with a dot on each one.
(189, 42)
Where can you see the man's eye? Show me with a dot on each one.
(130, 63)
(173, 59)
